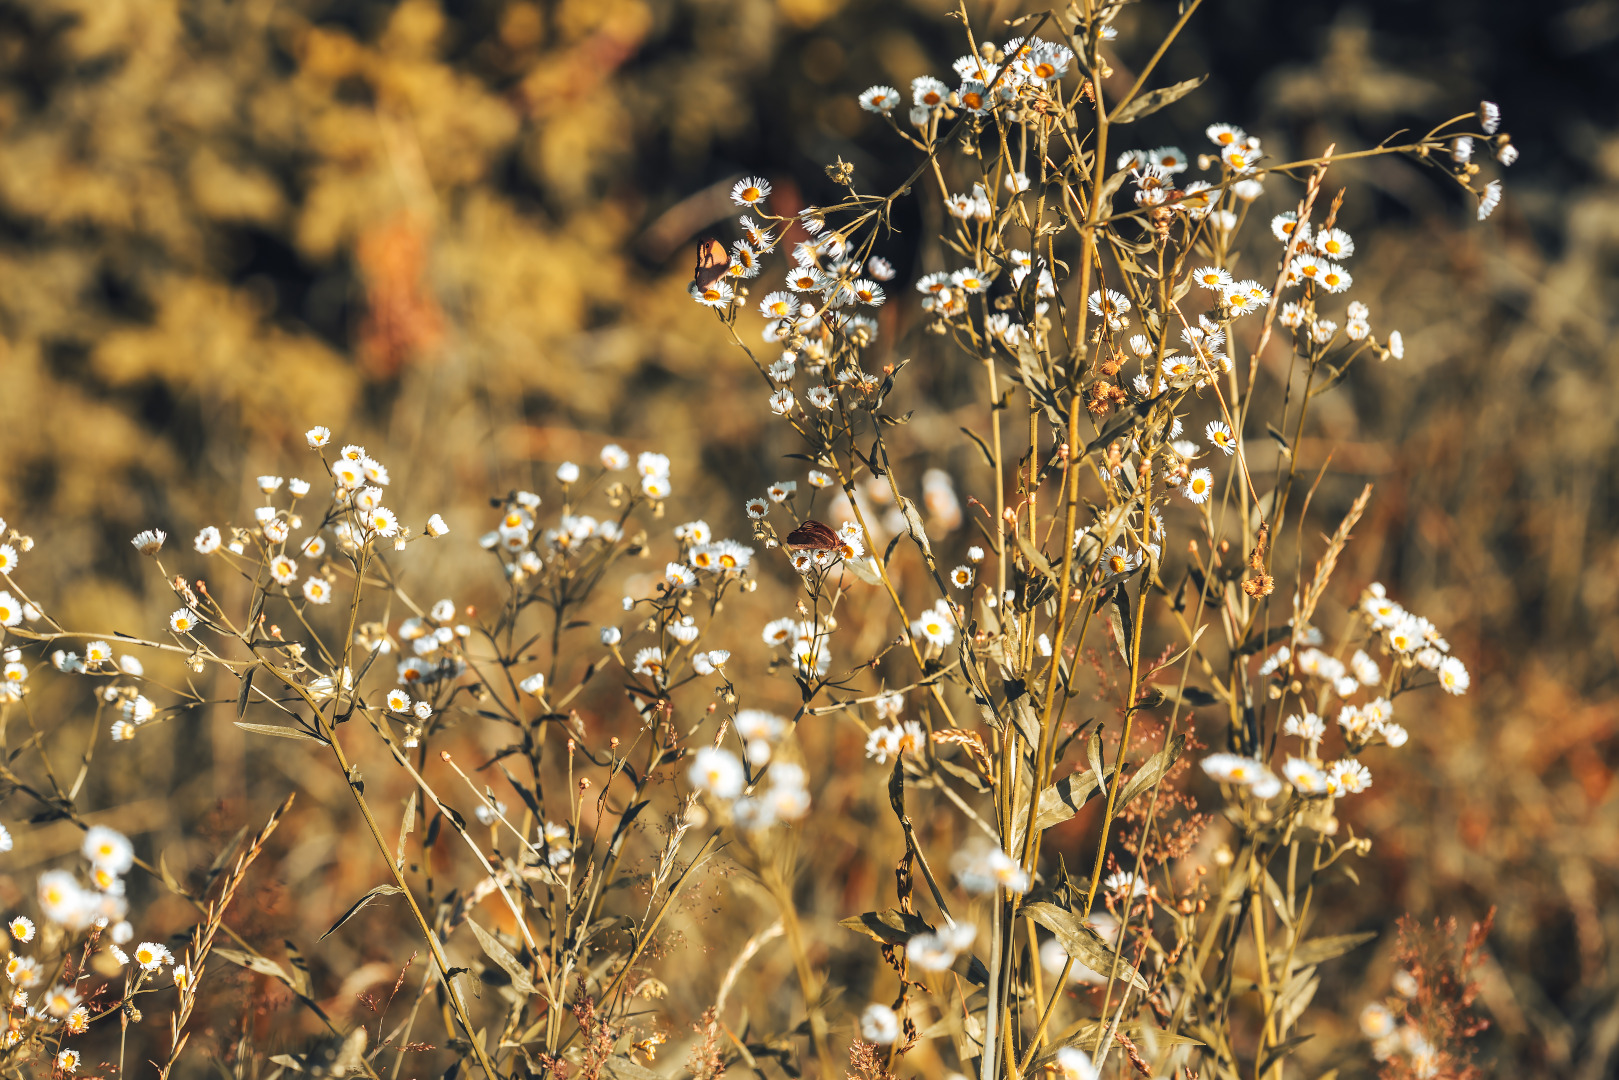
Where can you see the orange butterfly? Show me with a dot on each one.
(712, 262)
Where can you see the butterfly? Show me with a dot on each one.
(712, 262)
(813, 535)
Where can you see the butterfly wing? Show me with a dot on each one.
(812, 535)
(712, 262)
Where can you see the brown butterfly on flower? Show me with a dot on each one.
(813, 535)
(712, 263)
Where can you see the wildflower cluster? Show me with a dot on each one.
(414, 672)
(1105, 302)
(58, 968)
(1425, 1028)
(1099, 597)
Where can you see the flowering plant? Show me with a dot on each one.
(1117, 559)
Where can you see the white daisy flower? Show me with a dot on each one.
(750, 190)
(149, 541)
(382, 521)
(879, 1024)
(284, 570)
(717, 772)
(1453, 676)
(1198, 485)
(880, 99)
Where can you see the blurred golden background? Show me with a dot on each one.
(459, 233)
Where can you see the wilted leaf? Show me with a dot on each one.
(1081, 942)
(1280, 1051)
(407, 822)
(502, 956)
(1121, 621)
(168, 876)
(261, 964)
(281, 732)
(1062, 800)
(1147, 104)
(1144, 1035)
(1027, 723)
(380, 890)
(622, 1068)
(1319, 949)
(1038, 561)
(302, 981)
(1193, 697)
(247, 688)
(1153, 768)
(891, 927)
(1296, 997)
(983, 447)
(1110, 187)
